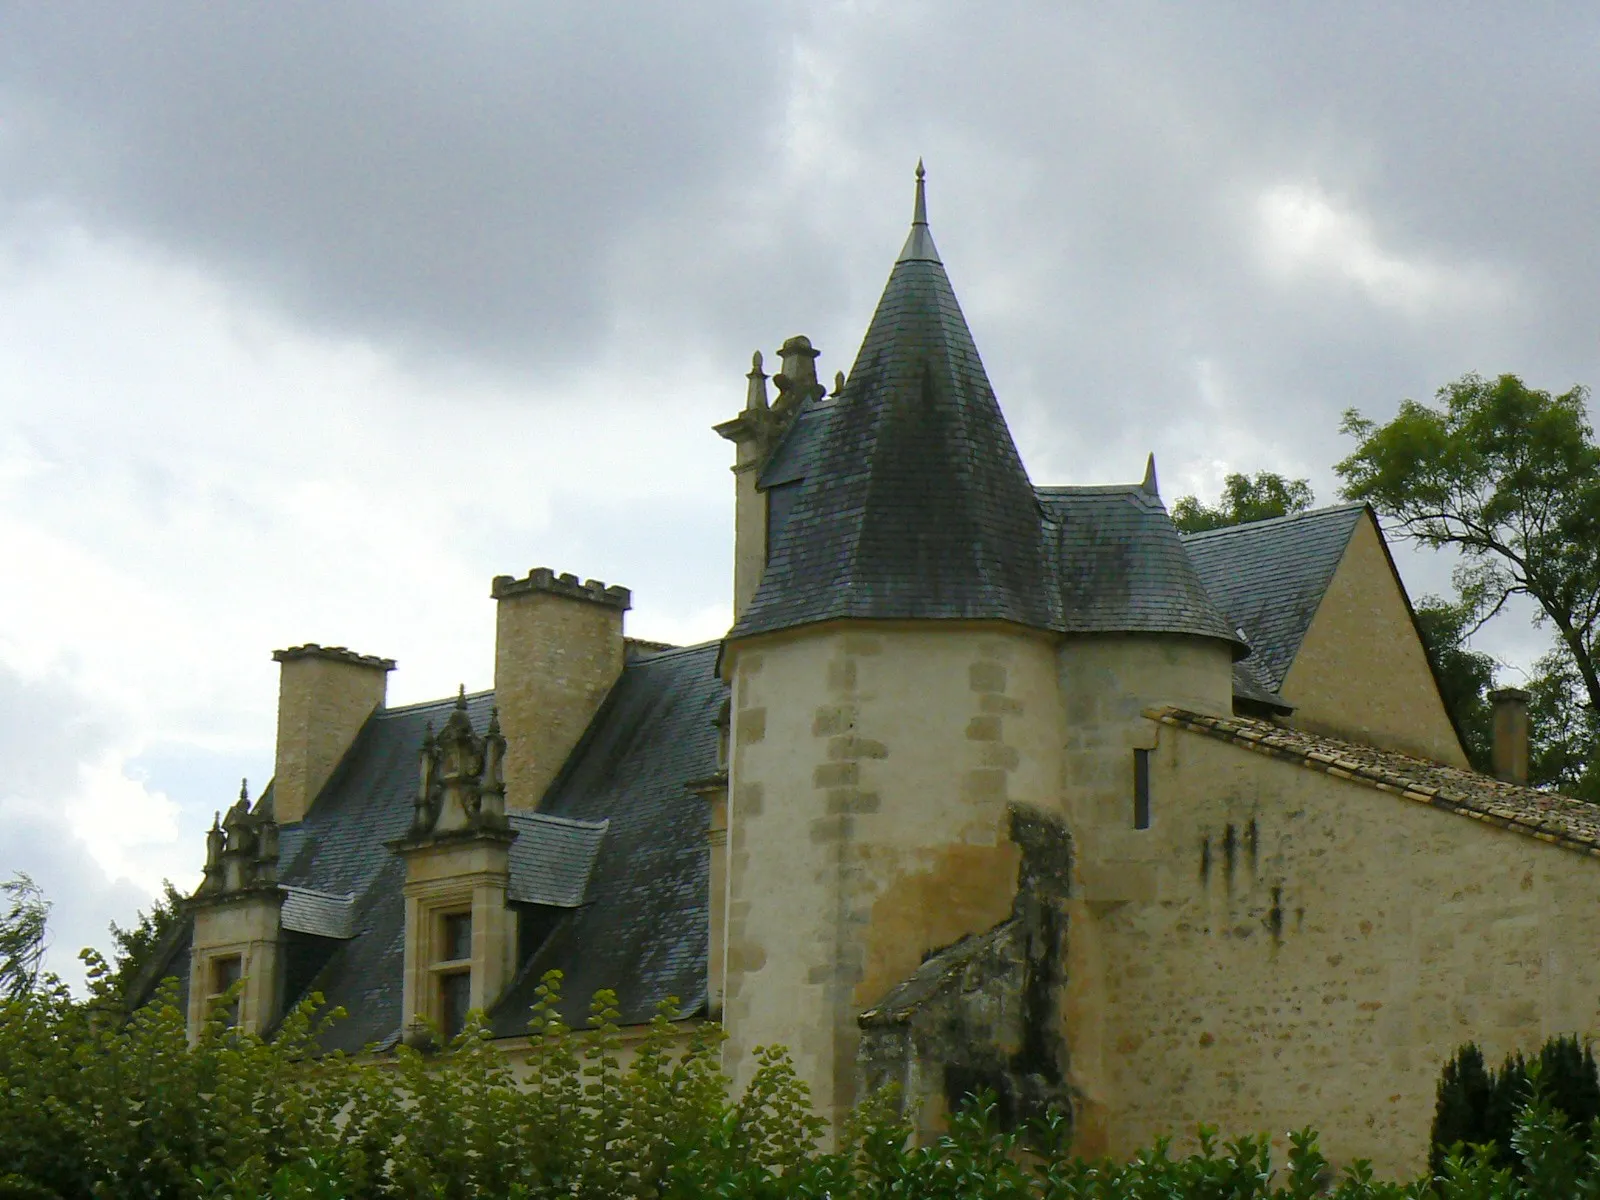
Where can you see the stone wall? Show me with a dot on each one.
(1361, 673)
(871, 774)
(1305, 950)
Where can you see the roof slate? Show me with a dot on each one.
(552, 858)
(317, 913)
(645, 927)
(915, 502)
(1547, 816)
(619, 847)
(1121, 566)
(1270, 576)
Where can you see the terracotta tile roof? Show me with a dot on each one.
(1548, 816)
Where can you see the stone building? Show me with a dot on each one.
(990, 785)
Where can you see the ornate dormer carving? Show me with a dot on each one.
(460, 779)
(241, 849)
(237, 922)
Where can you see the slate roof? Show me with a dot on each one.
(1120, 566)
(645, 927)
(317, 913)
(552, 858)
(915, 502)
(617, 858)
(1547, 816)
(902, 496)
(1270, 576)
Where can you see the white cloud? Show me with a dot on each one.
(1305, 233)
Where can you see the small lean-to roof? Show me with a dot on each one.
(552, 858)
(644, 929)
(317, 913)
(915, 503)
(1269, 577)
(1120, 565)
(1547, 816)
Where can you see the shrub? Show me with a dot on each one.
(95, 1105)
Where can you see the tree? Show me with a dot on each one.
(1510, 477)
(22, 935)
(1565, 749)
(137, 945)
(1244, 499)
(1465, 676)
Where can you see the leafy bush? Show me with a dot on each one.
(1479, 1107)
(93, 1105)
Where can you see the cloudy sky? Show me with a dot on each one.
(316, 316)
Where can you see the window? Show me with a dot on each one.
(1141, 789)
(457, 940)
(455, 998)
(226, 970)
(452, 968)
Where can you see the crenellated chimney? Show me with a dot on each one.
(1510, 734)
(558, 649)
(325, 695)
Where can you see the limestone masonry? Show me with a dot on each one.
(990, 785)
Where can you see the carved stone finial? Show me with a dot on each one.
(838, 382)
(461, 698)
(244, 792)
(755, 399)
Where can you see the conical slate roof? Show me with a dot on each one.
(916, 504)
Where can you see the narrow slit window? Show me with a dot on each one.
(1141, 789)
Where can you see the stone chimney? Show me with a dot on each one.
(1510, 734)
(325, 695)
(755, 433)
(558, 649)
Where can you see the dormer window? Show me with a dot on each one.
(452, 970)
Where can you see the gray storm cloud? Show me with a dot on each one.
(1199, 229)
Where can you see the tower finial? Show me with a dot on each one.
(919, 244)
(1149, 483)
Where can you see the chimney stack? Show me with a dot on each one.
(1510, 734)
(558, 649)
(755, 433)
(325, 695)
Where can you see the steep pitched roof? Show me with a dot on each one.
(1270, 576)
(915, 502)
(1547, 816)
(616, 857)
(1121, 566)
(644, 928)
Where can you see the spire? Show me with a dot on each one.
(1149, 483)
(919, 245)
(915, 504)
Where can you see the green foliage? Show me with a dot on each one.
(22, 935)
(1465, 676)
(96, 1104)
(1565, 734)
(136, 946)
(1479, 1107)
(1244, 499)
(1510, 477)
